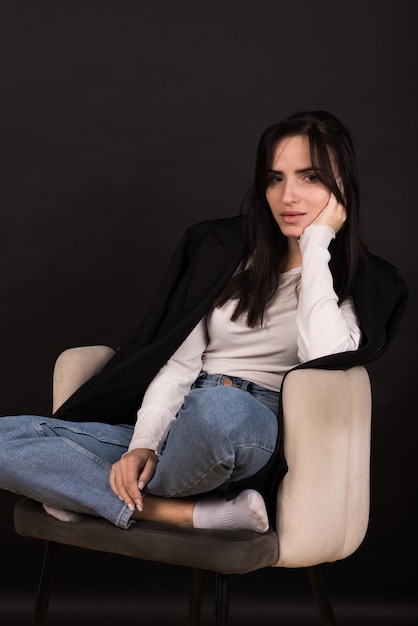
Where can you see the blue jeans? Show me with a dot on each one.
(221, 434)
(225, 431)
(63, 463)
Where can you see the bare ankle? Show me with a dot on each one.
(176, 511)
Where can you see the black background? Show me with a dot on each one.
(124, 122)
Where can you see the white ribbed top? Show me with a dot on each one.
(302, 322)
(261, 355)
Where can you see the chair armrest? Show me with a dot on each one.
(323, 501)
(74, 367)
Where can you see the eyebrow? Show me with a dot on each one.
(302, 171)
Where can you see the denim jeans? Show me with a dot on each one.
(225, 431)
(222, 433)
(63, 463)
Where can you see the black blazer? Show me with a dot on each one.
(205, 259)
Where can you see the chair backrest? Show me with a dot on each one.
(323, 501)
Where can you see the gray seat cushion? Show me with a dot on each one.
(223, 551)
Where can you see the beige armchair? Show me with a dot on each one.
(322, 503)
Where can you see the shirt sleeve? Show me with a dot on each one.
(324, 326)
(165, 394)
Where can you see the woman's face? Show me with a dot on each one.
(294, 193)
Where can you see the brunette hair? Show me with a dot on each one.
(256, 280)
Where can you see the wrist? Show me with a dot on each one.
(322, 234)
(135, 448)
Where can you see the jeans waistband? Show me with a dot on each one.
(232, 381)
(268, 397)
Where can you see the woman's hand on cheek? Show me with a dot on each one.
(333, 214)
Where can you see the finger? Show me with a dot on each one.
(115, 481)
(123, 481)
(337, 215)
(147, 473)
(112, 481)
(332, 202)
(130, 484)
(117, 485)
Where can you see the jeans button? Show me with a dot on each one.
(228, 382)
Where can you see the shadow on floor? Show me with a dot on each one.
(170, 611)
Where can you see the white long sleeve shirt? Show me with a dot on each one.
(303, 321)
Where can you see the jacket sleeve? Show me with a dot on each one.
(380, 296)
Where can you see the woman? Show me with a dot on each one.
(182, 424)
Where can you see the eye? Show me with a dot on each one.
(274, 179)
(311, 178)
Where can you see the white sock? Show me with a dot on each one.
(62, 514)
(247, 510)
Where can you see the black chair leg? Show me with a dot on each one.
(195, 596)
(321, 595)
(221, 609)
(45, 583)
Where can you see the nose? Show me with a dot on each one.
(290, 193)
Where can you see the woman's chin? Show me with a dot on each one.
(291, 231)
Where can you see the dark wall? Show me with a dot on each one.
(124, 122)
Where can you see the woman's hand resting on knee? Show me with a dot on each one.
(130, 474)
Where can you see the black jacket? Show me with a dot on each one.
(205, 259)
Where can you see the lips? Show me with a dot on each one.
(291, 217)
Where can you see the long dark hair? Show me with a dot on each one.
(256, 280)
